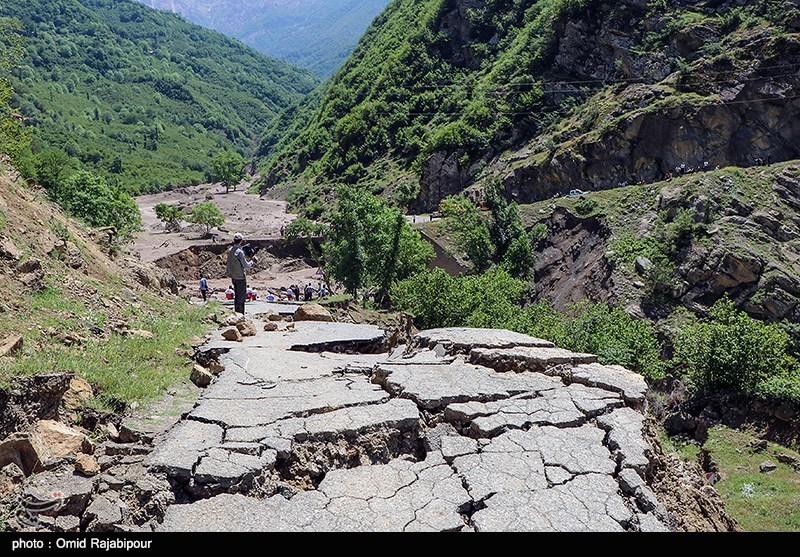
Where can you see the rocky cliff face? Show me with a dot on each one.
(705, 95)
(744, 244)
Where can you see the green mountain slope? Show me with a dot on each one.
(140, 95)
(550, 95)
(315, 34)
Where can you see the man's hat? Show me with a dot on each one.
(238, 237)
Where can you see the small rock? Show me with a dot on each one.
(10, 345)
(86, 464)
(30, 265)
(195, 342)
(126, 449)
(272, 316)
(270, 326)
(110, 431)
(200, 376)
(247, 328)
(215, 367)
(767, 466)
(140, 333)
(233, 319)
(758, 445)
(232, 334)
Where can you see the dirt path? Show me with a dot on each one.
(253, 216)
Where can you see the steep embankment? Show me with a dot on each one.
(549, 96)
(688, 241)
(75, 305)
(142, 96)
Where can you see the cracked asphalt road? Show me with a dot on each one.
(466, 429)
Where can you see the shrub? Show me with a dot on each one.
(730, 350)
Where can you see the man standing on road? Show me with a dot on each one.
(236, 271)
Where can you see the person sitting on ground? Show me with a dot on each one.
(229, 293)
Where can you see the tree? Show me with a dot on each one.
(226, 167)
(464, 220)
(731, 350)
(371, 245)
(92, 199)
(50, 165)
(170, 215)
(207, 214)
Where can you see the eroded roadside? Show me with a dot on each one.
(461, 429)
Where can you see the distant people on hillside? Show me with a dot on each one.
(283, 230)
(322, 291)
(229, 293)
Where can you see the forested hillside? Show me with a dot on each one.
(139, 96)
(549, 95)
(315, 34)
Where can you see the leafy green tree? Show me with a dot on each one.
(226, 167)
(170, 215)
(731, 350)
(93, 200)
(207, 214)
(15, 139)
(499, 239)
(436, 299)
(370, 244)
(471, 231)
(50, 165)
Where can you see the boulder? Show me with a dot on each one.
(200, 376)
(767, 466)
(9, 250)
(86, 465)
(270, 326)
(312, 312)
(53, 439)
(196, 342)
(78, 394)
(643, 265)
(232, 334)
(30, 265)
(10, 345)
(17, 449)
(247, 328)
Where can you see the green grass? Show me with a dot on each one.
(760, 502)
(122, 369)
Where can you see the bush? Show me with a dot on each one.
(207, 214)
(170, 215)
(730, 350)
(93, 200)
(609, 332)
(436, 299)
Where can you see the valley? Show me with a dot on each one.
(560, 242)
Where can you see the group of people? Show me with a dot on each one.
(293, 292)
(236, 269)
